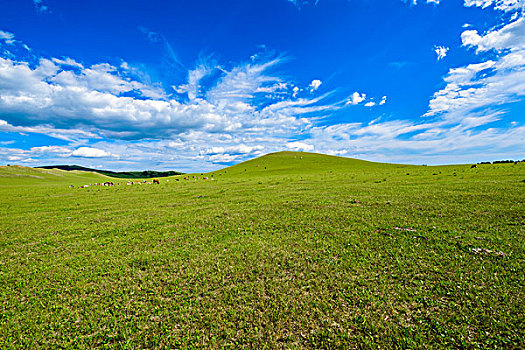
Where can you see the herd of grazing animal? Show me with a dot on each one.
(143, 182)
(107, 183)
(157, 182)
(112, 184)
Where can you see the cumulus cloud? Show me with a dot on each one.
(356, 98)
(295, 91)
(441, 52)
(511, 36)
(90, 152)
(245, 105)
(315, 84)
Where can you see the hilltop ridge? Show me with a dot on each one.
(300, 163)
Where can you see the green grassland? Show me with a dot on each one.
(291, 250)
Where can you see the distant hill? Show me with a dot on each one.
(288, 162)
(121, 175)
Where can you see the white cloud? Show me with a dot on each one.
(50, 149)
(245, 110)
(67, 62)
(299, 146)
(356, 98)
(7, 37)
(488, 84)
(315, 84)
(275, 88)
(193, 88)
(414, 2)
(14, 158)
(295, 91)
(90, 152)
(62, 134)
(441, 52)
(242, 82)
(435, 143)
(223, 158)
(481, 85)
(503, 5)
(511, 36)
(237, 149)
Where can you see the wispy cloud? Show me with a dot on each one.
(41, 6)
(300, 3)
(150, 35)
(491, 83)
(510, 36)
(246, 104)
(415, 2)
(504, 5)
(7, 37)
(69, 134)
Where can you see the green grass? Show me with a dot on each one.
(312, 252)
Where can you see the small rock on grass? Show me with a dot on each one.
(487, 251)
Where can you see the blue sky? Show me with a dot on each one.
(196, 85)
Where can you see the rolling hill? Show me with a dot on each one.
(288, 162)
(15, 175)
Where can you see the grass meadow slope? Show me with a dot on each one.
(290, 250)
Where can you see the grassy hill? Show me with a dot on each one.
(15, 175)
(312, 252)
(301, 163)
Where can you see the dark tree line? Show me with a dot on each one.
(147, 174)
